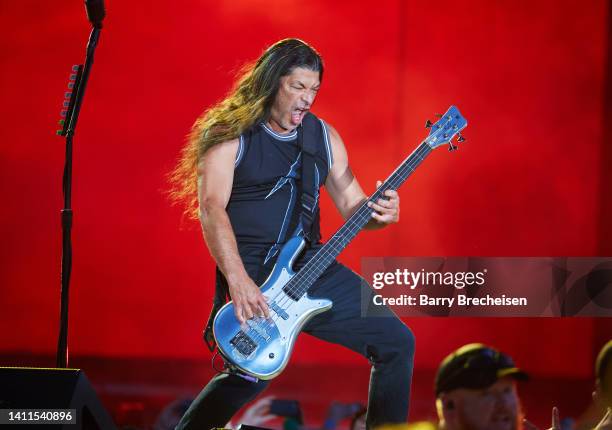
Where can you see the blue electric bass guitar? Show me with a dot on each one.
(261, 347)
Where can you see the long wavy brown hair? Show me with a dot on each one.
(247, 104)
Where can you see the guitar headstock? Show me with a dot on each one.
(446, 128)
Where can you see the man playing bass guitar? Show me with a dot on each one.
(241, 174)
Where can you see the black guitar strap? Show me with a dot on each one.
(310, 179)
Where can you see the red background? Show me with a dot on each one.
(533, 179)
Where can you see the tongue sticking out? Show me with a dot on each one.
(296, 117)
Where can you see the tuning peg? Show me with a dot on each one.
(452, 147)
(428, 124)
(461, 139)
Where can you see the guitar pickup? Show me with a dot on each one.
(257, 328)
(279, 311)
(243, 343)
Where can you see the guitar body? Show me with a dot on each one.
(261, 347)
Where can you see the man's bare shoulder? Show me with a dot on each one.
(220, 155)
(228, 145)
(339, 155)
(333, 133)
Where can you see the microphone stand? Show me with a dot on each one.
(73, 105)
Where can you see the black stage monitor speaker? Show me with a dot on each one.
(26, 388)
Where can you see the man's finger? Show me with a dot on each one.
(381, 218)
(264, 307)
(238, 313)
(248, 311)
(556, 422)
(384, 203)
(261, 309)
(381, 212)
(379, 208)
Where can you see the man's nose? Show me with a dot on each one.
(308, 97)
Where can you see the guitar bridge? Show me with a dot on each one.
(279, 311)
(257, 328)
(243, 343)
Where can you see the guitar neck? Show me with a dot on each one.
(345, 234)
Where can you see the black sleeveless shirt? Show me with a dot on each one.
(264, 206)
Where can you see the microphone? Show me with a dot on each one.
(95, 12)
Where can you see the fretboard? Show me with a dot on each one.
(311, 271)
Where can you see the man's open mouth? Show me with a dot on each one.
(297, 115)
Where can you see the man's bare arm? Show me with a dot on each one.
(215, 178)
(348, 195)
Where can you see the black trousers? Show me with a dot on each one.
(383, 339)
